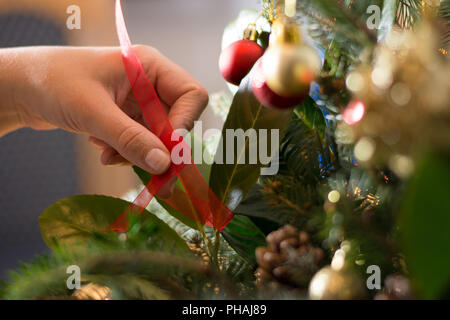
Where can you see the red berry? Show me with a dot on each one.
(267, 97)
(238, 59)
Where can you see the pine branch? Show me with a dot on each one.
(341, 20)
(293, 195)
(408, 13)
(444, 14)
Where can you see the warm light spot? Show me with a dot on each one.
(354, 112)
(122, 237)
(364, 149)
(381, 77)
(318, 285)
(334, 196)
(443, 51)
(306, 76)
(403, 166)
(346, 246)
(338, 261)
(400, 94)
(354, 81)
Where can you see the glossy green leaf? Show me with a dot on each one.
(232, 180)
(204, 169)
(77, 220)
(145, 178)
(311, 115)
(255, 206)
(425, 226)
(244, 236)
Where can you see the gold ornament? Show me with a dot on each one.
(92, 291)
(289, 69)
(289, 65)
(250, 33)
(401, 102)
(331, 284)
(337, 281)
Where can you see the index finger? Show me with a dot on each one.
(184, 95)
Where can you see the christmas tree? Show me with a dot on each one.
(360, 94)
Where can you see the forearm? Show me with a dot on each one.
(10, 86)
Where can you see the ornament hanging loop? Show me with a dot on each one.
(285, 31)
(290, 8)
(250, 33)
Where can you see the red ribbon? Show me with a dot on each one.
(198, 202)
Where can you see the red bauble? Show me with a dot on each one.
(267, 97)
(238, 59)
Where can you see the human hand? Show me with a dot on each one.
(86, 90)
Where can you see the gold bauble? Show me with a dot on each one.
(332, 284)
(284, 30)
(290, 68)
(289, 65)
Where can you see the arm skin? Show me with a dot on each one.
(86, 90)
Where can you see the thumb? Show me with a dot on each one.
(133, 141)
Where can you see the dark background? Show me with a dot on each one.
(37, 168)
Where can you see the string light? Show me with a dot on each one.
(443, 51)
(354, 113)
(364, 149)
(334, 196)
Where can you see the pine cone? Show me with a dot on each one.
(289, 260)
(396, 287)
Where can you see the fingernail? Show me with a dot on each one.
(158, 161)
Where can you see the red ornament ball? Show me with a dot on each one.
(267, 97)
(238, 59)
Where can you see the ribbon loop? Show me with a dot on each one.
(198, 202)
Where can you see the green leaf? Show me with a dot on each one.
(129, 286)
(145, 178)
(255, 206)
(232, 181)
(388, 16)
(311, 115)
(77, 220)
(444, 15)
(425, 225)
(244, 236)
(204, 169)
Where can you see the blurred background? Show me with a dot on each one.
(39, 168)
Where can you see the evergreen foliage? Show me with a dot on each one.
(141, 265)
